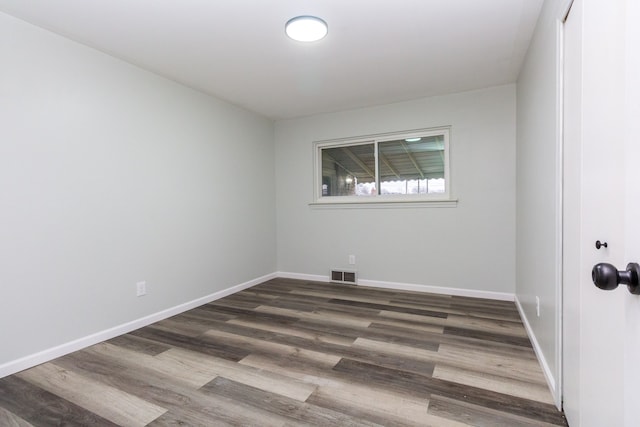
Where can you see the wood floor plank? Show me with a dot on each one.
(243, 298)
(110, 403)
(297, 365)
(346, 335)
(327, 309)
(148, 384)
(298, 412)
(426, 336)
(497, 348)
(289, 352)
(486, 313)
(338, 320)
(208, 318)
(295, 331)
(218, 409)
(434, 324)
(479, 416)
(397, 350)
(273, 349)
(497, 326)
(140, 345)
(186, 372)
(262, 314)
(411, 383)
(428, 302)
(191, 343)
(378, 406)
(183, 417)
(460, 358)
(394, 314)
(207, 312)
(488, 336)
(537, 391)
(182, 325)
(415, 328)
(477, 303)
(272, 296)
(265, 293)
(327, 292)
(375, 356)
(42, 408)
(236, 303)
(486, 361)
(266, 381)
(9, 419)
(185, 404)
(297, 304)
(390, 307)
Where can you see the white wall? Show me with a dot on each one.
(537, 162)
(470, 246)
(110, 175)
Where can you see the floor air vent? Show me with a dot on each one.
(344, 276)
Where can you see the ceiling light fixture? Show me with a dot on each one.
(306, 28)
(413, 139)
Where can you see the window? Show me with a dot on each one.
(384, 168)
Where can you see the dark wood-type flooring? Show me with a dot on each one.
(287, 353)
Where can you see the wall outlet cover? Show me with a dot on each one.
(141, 289)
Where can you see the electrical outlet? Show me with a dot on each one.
(538, 306)
(352, 259)
(141, 289)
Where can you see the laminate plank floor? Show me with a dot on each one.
(290, 352)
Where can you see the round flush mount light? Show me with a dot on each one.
(413, 139)
(306, 28)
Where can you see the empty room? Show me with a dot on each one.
(345, 213)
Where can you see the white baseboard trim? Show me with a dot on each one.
(301, 276)
(551, 382)
(52, 353)
(502, 296)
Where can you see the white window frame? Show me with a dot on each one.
(431, 199)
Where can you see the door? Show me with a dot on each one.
(601, 193)
(632, 209)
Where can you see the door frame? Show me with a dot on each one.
(559, 192)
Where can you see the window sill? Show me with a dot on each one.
(384, 203)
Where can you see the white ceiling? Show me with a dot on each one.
(376, 52)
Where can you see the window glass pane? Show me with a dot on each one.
(412, 165)
(349, 171)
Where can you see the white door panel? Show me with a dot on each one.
(632, 209)
(594, 328)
